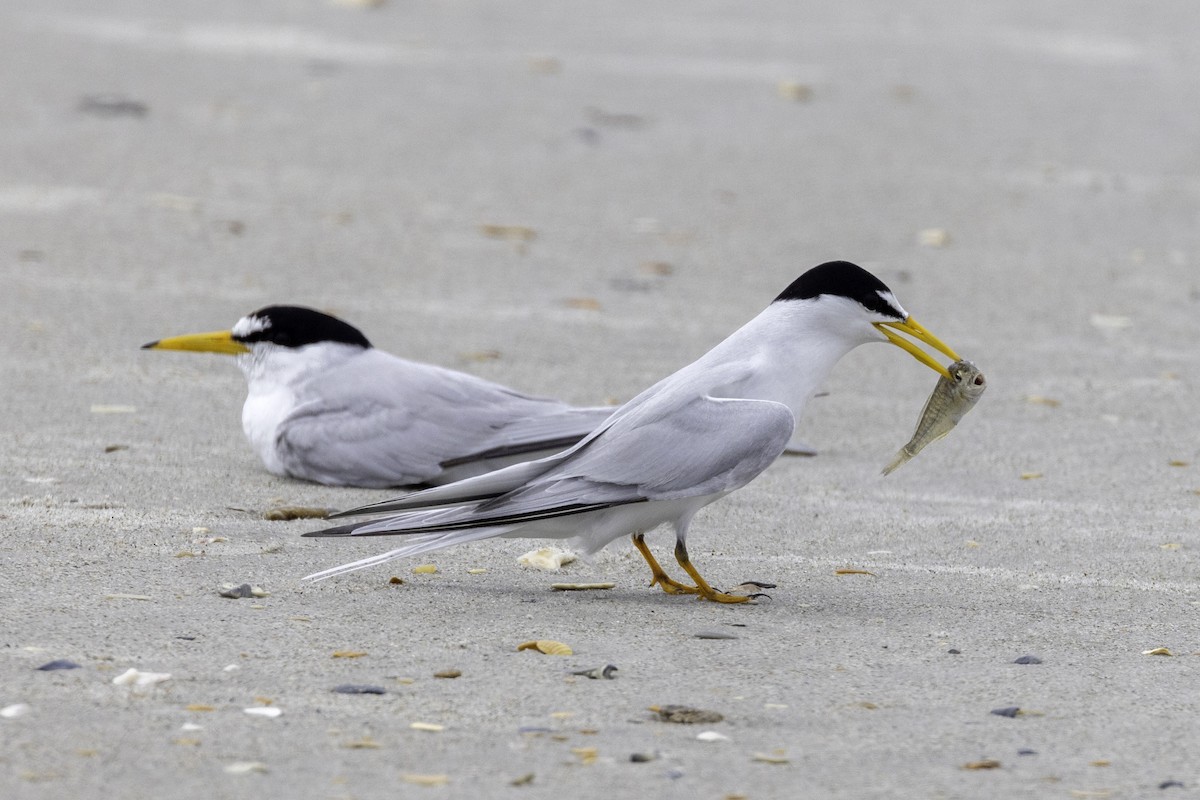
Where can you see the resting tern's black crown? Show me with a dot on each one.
(846, 280)
(296, 326)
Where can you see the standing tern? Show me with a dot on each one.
(325, 406)
(685, 442)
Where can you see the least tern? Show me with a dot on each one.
(685, 442)
(325, 406)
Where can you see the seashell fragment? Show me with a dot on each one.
(712, 736)
(15, 710)
(349, 653)
(607, 672)
(263, 711)
(1158, 651)
(199, 707)
(133, 677)
(424, 780)
(431, 727)
(772, 758)
(986, 763)
(365, 743)
(686, 714)
(547, 558)
(358, 688)
(1007, 711)
(547, 646)
(425, 569)
(60, 663)
(850, 571)
(1028, 660)
(448, 673)
(245, 767)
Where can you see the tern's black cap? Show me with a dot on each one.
(845, 280)
(297, 326)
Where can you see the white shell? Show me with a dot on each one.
(133, 677)
(547, 558)
(264, 711)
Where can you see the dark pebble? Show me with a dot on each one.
(642, 758)
(1028, 660)
(1007, 711)
(238, 592)
(60, 663)
(1025, 751)
(359, 688)
(1171, 785)
(954, 652)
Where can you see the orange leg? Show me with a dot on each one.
(660, 577)
(702, 588)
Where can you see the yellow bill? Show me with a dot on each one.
(914, 329)
(212, 342)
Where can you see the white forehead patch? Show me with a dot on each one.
(891, 300)
(248, 325)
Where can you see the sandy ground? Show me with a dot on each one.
(168, 167)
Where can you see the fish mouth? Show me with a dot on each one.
(892, 331)
(212, 342)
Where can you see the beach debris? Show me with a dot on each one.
(642, 758)
(121, 596)
(396, 581)
(425, 569)
(1030, 476)
(712, 736)
(587, 755)
(285, 513)
(199, 707)
(112, 105)
(715, 635)
(238, 591)
(514, 234)
(448, 673)
(245, 767)
(580, 587)
(548, 647)
(476, 570)
(269, 712)
(686, 714)
(58, 663)
(933, 237)
(795, 91)
(1171, 785)
(1171, 546)
(424, 780)
(1158, 651)
(852, 571)
(15, 710)
(1026, 751)
(349, 653)
(135, 677)
(546, 558)
(776, 757)
(115, 448)
(1007, 711)
(522, 780)
(986, 763)
(358, 688)
(1178, 462)
(429, 727)
(365, 743)
(1027, 660)
(1042, 400)
(1100, 762)
(949, 402)
(191, 726)
(607, 672)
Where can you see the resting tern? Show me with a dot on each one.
(325, 406)
(685, 442)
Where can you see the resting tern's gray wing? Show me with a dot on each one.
(707, 447)
(381, 421)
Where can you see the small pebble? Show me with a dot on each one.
(1025, 751)
(358, 688)
(1007, 711)
(643, 758)
(60, 663)
(1028, 660)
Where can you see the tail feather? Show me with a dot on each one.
(415, 545)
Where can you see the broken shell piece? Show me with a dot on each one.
(607, 672)
(794, 90)
(424, 780)
(431, 727)
(849, 571)
(425, 569)
(365, 743)
(580, 587)
(1158, 651)
(245, 767)
(477, 571)
(547, 646)
(686, 714)
(547, 558)
(261, 711)
(712, 736)
(510, 233)
(349, 653)
(986, 763)
(772, 758)
(199, 707)
(238, 591)
(60, 663)
(448, 673)
(15, 710)
(933, 237)
(133, 677)
(285, 513)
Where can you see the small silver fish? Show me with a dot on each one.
(945, 408)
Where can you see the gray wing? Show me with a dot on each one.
(709, 446)
(380, 421)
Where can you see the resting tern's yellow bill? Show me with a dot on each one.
(690, 439)
(325, 406)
